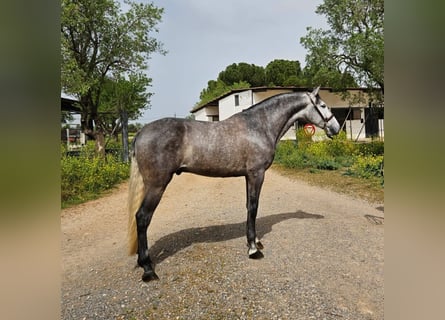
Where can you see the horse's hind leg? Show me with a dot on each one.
(143, 219)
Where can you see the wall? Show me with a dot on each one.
(259, 96)
(227, 106)
(206, 113)
(335, 100)
(353, 128)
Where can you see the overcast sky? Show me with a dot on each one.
(203, 37)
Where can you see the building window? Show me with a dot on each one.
(236, 100)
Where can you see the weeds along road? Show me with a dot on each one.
(323, 255)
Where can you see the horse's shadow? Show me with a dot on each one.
(172, 243)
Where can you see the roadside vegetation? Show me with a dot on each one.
(340, 164)
(86, 175)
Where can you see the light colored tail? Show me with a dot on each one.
(136, 193)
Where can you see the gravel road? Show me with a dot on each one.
(323, 255)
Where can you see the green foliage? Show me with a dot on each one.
(243, 75)
(303, 139)
(86, 176)
(281, 72)
(375, 148)
(353, 46)
(287, 154)
(367, 166)
(331, 154)
(120, 95)
(340, 145)
(363, 160)
(321, 68)
(101, 44)
(243, 72)
(134, 127)
(319, 157)
(326, 164)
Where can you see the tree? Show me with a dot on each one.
(99, 42)
(281, 72)
(243, 72)
(235, 76)
(123, 100)
(243, 75)
(353, 47)
(119, 95)
(321, 66)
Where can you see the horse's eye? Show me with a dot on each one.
(323, 105)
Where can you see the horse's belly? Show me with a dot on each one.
(215, 172)
(215, 165)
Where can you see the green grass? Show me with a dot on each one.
(366, 189)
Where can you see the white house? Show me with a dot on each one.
(359, 118)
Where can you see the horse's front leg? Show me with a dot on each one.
(254, 182)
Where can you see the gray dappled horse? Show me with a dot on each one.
(242, 145)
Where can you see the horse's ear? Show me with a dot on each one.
(315, 92)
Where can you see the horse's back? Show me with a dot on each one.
(165, 140)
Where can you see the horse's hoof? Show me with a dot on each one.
(149, 276)
(256, 255)
(259, 245)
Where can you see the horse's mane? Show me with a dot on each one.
(267, 100)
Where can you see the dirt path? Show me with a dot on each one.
(323, 255)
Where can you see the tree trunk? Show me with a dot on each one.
(86, 119)
(100, 143)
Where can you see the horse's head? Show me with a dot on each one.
(320, 115)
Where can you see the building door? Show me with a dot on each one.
(371, 122)
(341, 114)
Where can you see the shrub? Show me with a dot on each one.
(370, 148)
(326, 164)
(340, 146)
(284, 150)
(364, 160)
(331, 154)
(289, 154)
(367, 166)
(84, 177)
(303, 139)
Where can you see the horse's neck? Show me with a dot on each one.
(282, 115)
